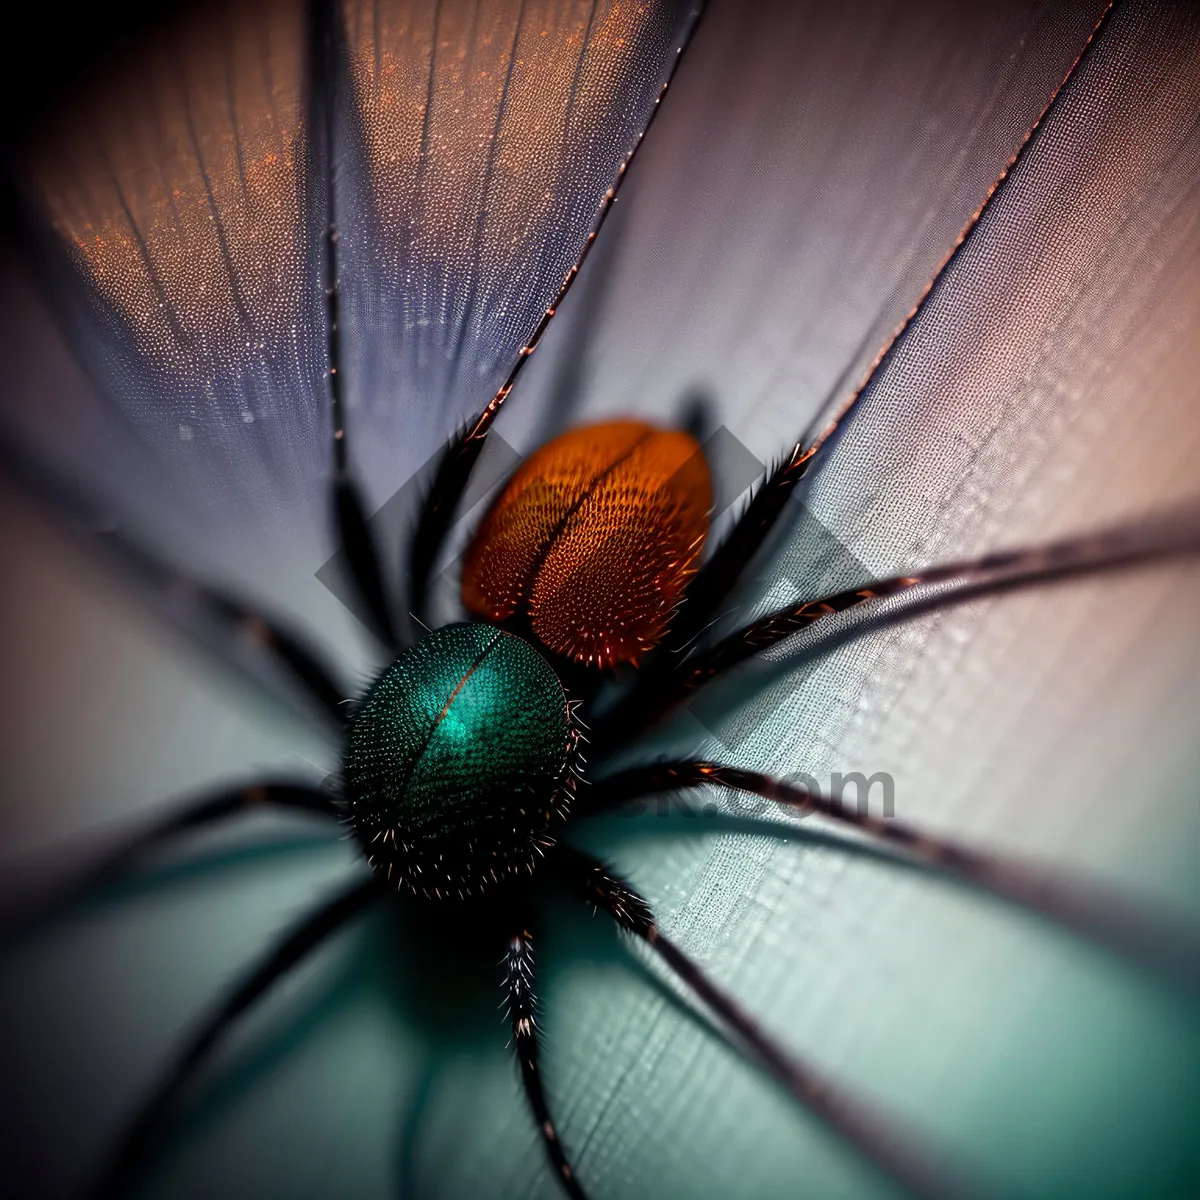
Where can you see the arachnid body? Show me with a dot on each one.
(479, 746)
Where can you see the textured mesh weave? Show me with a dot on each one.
(1050, 387)
(810, 168)
(474, 145)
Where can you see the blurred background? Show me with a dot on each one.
(810, 170)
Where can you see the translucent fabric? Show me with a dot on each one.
(811, 169)
(178, 208)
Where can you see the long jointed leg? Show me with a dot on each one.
(209, 811)
(354, 534)
(296, 946)
(449, 482)
(286, 647)
(894, 1153)
(462, 452)
(213, 613)
(26, 914)
(205, 614)
(522, 1011)
(1120, 548)
(1114, 921)
(358, 545)
(720, 575)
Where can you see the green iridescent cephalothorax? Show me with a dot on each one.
(459, 760)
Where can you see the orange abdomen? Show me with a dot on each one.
(593, 540)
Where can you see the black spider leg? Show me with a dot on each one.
(463, 450)
(896, 1153)
(720, 575)
(566, 391)
(227, 626)
(349, 513)
(1120, 548)
(1107, 918)
(520, 981)
(209, 810)
(189, 818)
(269, 635)
(154, 1114)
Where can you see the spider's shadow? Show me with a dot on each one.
(436, 971)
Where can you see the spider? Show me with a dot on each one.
(462, 763)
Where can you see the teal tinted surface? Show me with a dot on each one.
(468, 715)
(1064, 726)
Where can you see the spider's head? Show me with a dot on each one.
(458, 761)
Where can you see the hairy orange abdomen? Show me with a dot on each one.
(593, 540)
